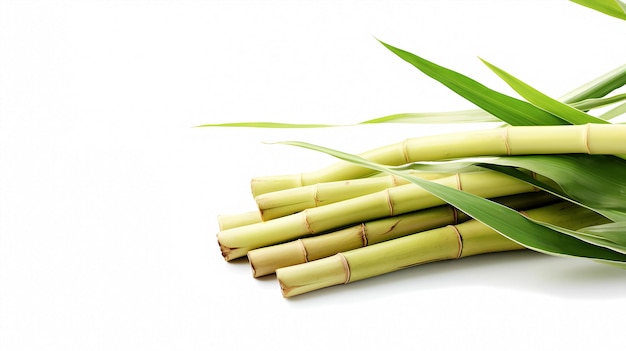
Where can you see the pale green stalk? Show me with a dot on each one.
(236, 242)
(228, 221)
(450, 242)
(607, 139)
(266, 260)
(285, 202)
(313, 196)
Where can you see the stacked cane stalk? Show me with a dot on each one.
(345, 223)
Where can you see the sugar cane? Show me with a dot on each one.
(236, 242)
(450, 242)
(266, 260)
(289, 201)
(593, 139)
(238, 219)
(313, 237)
(285, 202)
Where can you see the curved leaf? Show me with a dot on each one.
(614, 215)
(590, 104)
(506, 108)
(502, 219)
(615, 8)
(480, 116)
(610, 234)
(584, 97)
(544, 102)
(615, 112)
(598, 181)
(598, 87)
(464, 116)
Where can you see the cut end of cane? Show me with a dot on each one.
(268, 184)
(238, 220)
(267, 260)
(226, 251)
(254, 271)
(230, 253)
(310, 276)
(284, 289)
(285, 202)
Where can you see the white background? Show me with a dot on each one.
(108, 195)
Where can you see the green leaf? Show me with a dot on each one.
(500, 218)
(582, 98)
(610, 234)
(586, 97)
(598, 87)
(506, 108)
(464, 116)
(613, 8)
(597, 181)
(615, 112)
(544, 102)
(614, 215)
(599, 184)
(613, 237)
(592, 103)
(454, 166)
(480, 116)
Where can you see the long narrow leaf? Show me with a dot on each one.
(500, 218)
(586, 97)
(598, 181)
(582, 98)
(593, 103)
(480, 116)
(614, 215)
(598, 87)
(615, 112)
(613, 8)
(506, 108)
(464, 116)
(610, 235)
(599, 184)
(543, 101)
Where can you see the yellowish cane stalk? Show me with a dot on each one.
(236, 242)
(238, 219)
(450, 242)
(266, 260)
(326, 193)
(285, 202)
(607, 139)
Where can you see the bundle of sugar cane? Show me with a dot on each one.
(268, 259)
(449, 242)
(236, 242)
(552, 179)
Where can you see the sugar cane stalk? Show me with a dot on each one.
(238, 219)
(450, 242)
(266, 260)
(285, 202)
(236, 242)
(607, 139)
